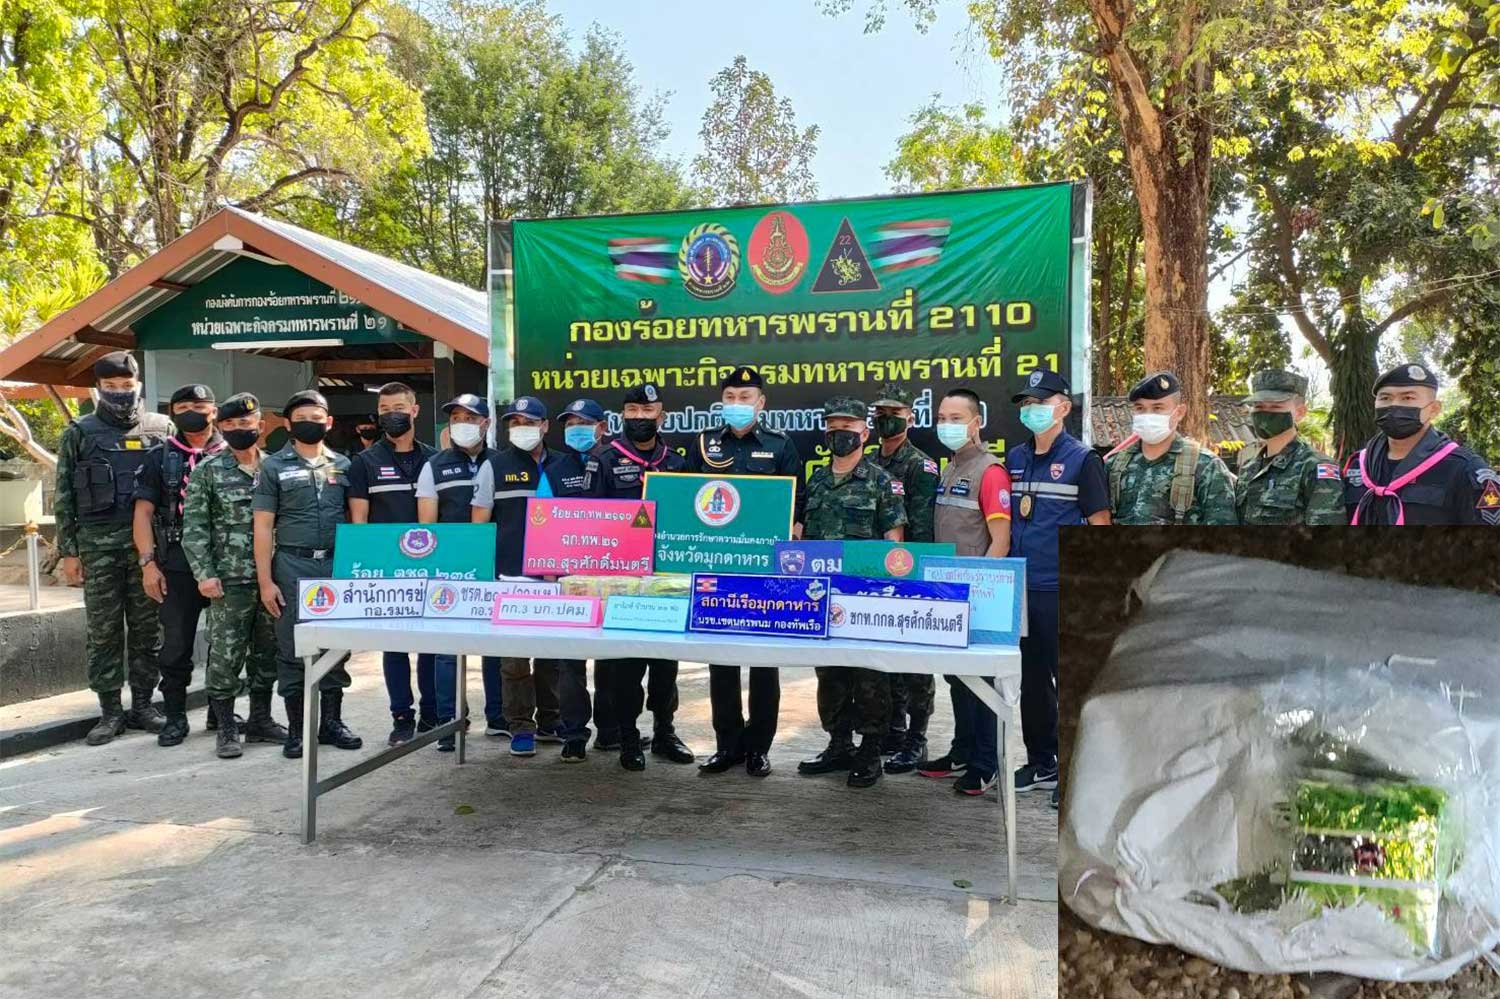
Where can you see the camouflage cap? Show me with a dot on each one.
(845, 405)
(891, 394)
(1272, 385)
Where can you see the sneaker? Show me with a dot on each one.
(942, 768)
(426, 725)
(1032, 777)
(575, 750)
(523, 744)
(549, 733)
(974, 783)
(909, 758)
(445, 744)
(498, 728)
(403, 730)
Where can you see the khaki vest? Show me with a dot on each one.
(958, 520)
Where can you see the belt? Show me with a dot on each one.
(313, 553)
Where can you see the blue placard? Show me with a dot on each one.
(809, 558)
(996, 587)
(787, 606)
(912, 589)
(626, 612)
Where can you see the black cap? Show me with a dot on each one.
(307, 397)
(1043, 384)
(192, 393)
(1408, 374)
(239, 404)
(117, 364)
(645, 394)
(742, 377)
(473, 403)
(1157, 385)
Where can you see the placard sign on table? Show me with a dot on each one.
(551, 612)
(345, 599)
(423, 551)
(632, 612)
(908, 620)
(996, 589)
(794, 606)
(460, 599)
(809, 558)
(719, 522)
(602, 537)
(920, 589)
(896, 559)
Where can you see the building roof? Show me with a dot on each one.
(62, 351)
(1229, 420)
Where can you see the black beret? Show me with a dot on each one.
(1408, 374)
(192, 393)
(742, 376)
(645, 394)
(307, 397)
(239, 404)
(117, 364)
(1043, 384)
(1157, 385)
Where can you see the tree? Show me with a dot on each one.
(753, 149)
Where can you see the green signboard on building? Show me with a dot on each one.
(253, 302)
(724, 523)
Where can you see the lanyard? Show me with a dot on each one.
(1393, 490)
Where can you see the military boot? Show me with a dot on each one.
(176, 727)
(838, 756)
(292, 747)
(228, 745)
(143, 714)
(111, 720)
(212, 724)
(331, 728)
(866, 769)
(260, 726)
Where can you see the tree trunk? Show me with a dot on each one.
(1353, 382)
(1116, 381)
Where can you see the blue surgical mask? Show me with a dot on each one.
(1037, 418)
(953, 435)
(579, 437)
(739, 415)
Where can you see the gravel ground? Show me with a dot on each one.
(1097, 568)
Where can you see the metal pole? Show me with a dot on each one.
(460, 703)
(33, 567)
(311, 709)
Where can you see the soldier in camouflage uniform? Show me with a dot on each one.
(850, 498)
(97, 461)
(1282, 480)
(1161, 477)
(219, 540)
(911, 693)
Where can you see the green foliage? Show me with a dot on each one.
(753, 149)
(950, 148)
(47, 425)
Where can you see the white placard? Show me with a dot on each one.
(907, 620)
(468, 600)
(345, 599)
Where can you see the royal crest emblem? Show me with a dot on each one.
(778, 252)
(709, 261)
(899, 563)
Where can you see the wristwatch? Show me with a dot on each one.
(146, 558)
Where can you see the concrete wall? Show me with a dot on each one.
(271, 379)
(42, 653)
(35, 473)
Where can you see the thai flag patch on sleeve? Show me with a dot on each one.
(898, 488)
(1327, 470)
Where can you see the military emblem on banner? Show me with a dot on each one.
(419, 542)
(708, 260)
(846, 267)
(778, 252)
(792, 561)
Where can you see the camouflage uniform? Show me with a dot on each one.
(1296, 486)
(1145, 488)
(218, 538)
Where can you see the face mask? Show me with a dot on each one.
(1267, 425)
(465, 435)
(739, 415)
(117, 403)
(842, 442)
(191, 422)
(640, 429)
(525, 438)
(395, 424)
(890, 426)
(1037, 418)
(1153, 428)
(241, 440)
(953, 435)
(368, 434)
(579, 437)
(308, 431)
(1399, 421)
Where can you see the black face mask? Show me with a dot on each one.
(241, 440)
(1399, 421)
(842, 442)
(1267, 425)
(395, 424)
(118, 404)
(191, 422)
(640, 429)
(890, 426)
(308, 431)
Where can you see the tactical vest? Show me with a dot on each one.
(1180, 497)
(392, 493)
(453, 479)
(958, 520)
(516, 480)
(174, 473)
(1044, 489)
(108, 458)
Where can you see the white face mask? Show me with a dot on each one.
(525, 438)
(465, 435)
(1153, 428)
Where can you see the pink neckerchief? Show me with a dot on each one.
(193, 454)
(634, 455)
(1393, 490)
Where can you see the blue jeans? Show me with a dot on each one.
(398, 683)
(447, 688)
(973, 728)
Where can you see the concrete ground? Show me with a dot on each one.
(130, 869)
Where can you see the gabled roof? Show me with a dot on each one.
(62, 350)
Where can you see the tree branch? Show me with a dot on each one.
(254, 203)
(1291, 293)
(1434, 297)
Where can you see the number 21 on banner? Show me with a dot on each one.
(1025, 363)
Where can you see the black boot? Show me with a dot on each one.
(631, 757)
(111, 720)
(212, 724)
(292, 748)
(866, 769)
(331, 728)
(227, 746)
(260, 726)
(838, 756)
(668, 746)
(143, 714)
(176, 727)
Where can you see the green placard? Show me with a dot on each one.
(250, 301)
(888, 559)
(729, 523)
(429, 551)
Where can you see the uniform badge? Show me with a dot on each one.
(1005, 500)
(959, 488)
(1034, 380)
(1025, 507)
(1056, 471)
(1488, 503)
(708, 260)
(898, 488)
(649, 392)
(1164, 383)
(199, 392)
(1417, 371)
(930, 467)
(1327, 470)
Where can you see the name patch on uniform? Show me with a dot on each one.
(959, 488)
(762, 454)
(292, 473)
(387, 472)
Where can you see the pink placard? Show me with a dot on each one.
(594, 537)
(530, 610)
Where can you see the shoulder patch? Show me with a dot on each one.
(1328, 470)
(929, 466)
(1489, 491)
(898, 488)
